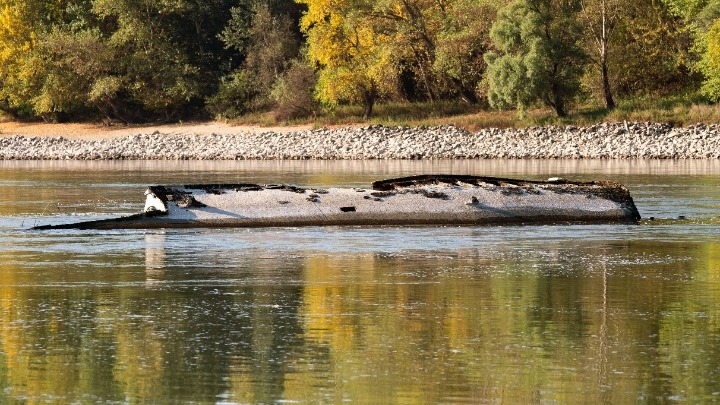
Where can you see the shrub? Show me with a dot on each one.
(293, 93)
(234, 97)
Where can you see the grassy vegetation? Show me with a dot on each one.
(677, 110)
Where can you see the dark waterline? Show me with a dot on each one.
(589, 313)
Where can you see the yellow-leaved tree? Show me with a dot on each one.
(27, 87)
(355, 59)
(709, 65)
(17, 38)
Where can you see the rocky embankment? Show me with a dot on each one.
(605, 141)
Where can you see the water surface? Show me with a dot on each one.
(514, 314)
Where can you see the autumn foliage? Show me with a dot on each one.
(149, 60)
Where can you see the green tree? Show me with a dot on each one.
(154, 69)
(601, 17)
(650, 51)
(66, 65)
(271, 48)
(709, 64)
(132, 60)
(539, 55)
(702, 17)
(267, 44)
(238, 29)
(701, 13)
(462, 42)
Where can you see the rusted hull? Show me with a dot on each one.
(417, 200)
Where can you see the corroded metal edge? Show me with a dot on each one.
(604, 189)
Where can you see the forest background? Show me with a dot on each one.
(545, 61)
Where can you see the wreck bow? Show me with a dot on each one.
(415, 200)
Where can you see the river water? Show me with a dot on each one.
(511, 314)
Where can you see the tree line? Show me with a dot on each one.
(168, 60)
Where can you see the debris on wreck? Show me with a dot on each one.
(414, 200)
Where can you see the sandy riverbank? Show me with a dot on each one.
(90, 131)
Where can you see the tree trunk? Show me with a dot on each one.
(556, 97)
(604, 37)
(467, 95)
(368, 103)
(609, 102)
(557, 102)
(6, 109)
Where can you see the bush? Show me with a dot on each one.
(293, 93)
(234, 97)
